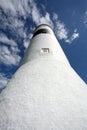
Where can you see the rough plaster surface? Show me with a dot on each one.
(44, 95)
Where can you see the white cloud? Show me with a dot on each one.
(46, 19)
(26, 43)
(30, 9)
(59, 27)
(25, 8)
(20, 7)
(62, 32)
(37, 16)
(3, 80)
(55, 16)
(9, 57)
(14, 9)
(74, 36)
(6, 40)
(85, 19)
(7, 5)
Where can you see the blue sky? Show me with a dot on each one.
(18, 19)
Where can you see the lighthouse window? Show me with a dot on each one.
(41, 31)
(45, 50)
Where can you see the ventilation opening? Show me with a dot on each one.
(41, 31)
(45, 50)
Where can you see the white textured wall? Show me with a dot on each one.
(44, 40)
(44, 94)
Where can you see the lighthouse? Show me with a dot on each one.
(45, 93)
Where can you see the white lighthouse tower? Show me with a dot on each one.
(45, 93)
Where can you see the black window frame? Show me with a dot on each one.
(41, 31)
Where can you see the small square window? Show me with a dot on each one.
(45, 50)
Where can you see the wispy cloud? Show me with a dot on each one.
(6, 40)
(9, 57)
(26, 9)
(3, 80)
(85, 19)
(60, 29)
(30, 9)
(74, 36)
(62, 32)
(38, 18)
(20, 7)
(27, 40)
